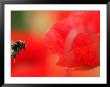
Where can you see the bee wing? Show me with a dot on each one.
(12, 51)
(12, 42)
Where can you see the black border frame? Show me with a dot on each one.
(1, 44)
(108, 41)
(3, 2)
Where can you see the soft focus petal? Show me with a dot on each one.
(84, 50)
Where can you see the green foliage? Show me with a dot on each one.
(17, 20)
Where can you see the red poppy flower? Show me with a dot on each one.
(58, 15)
(76, 39)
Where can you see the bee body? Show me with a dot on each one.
(16, 47)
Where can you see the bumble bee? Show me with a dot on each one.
(16, 47)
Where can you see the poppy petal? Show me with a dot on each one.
(84, 47)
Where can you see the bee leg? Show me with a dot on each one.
(14, 56)
(24, 46)
(18, 51)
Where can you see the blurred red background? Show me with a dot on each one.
(37, 59)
